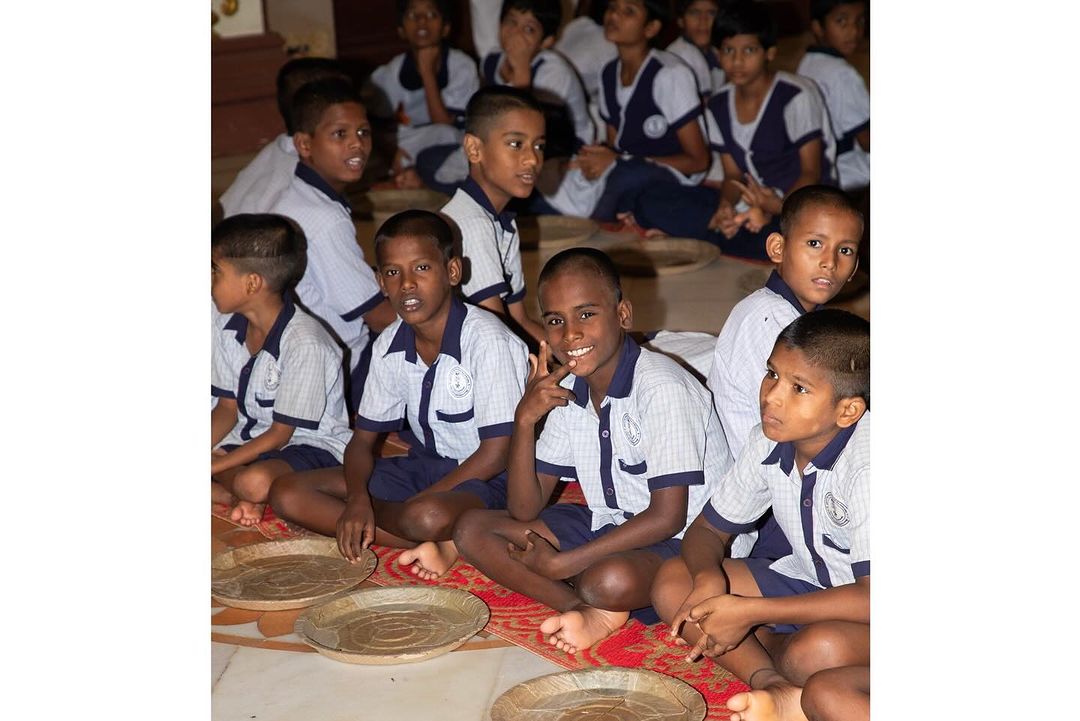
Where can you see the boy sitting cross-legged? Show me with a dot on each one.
(798, 626)
(276, 373)
(635, 429)
(455, 373)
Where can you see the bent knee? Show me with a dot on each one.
(828, 695)
(611, 584)
(817, 647)
(670, 588)
(427, 519)
(283, 495)
(253, 483)
(470, 528)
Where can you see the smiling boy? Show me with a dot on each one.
(333, 140)
(455, 373)
(635, 429)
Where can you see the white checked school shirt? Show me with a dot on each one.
(262, 181)
(742, 349)
(490, 243)
(468, 395)
(707, 71)
(295, 379)
(656, 428)
(848, 101)
(338, 286)
(825, 513)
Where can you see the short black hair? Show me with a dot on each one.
(311, 101)
(443, 6)
(820, 9)
(810, 195)
(746, 17)
(657, 10)
(271, 245)
(298, 72)
(589, 260)
(681, 6)
(418, 224)
(548, 12)
(488, 103)
(837, 342)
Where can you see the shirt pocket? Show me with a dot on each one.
(264, 402)
(828, 541)
(455, 417)
(636, 468)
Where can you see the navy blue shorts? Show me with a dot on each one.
(300, 457)
(777, 585)
(400, 478)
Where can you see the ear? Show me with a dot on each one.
(849, 411)
(770, 54)
(774, 246)
(652, 28)
(445, 29)
(453, 270)
(625, 311)
(816, 30)
(302, 143)
(548, 42)
(680, 23)
(473, 147)
(382, 284)
(253, 283)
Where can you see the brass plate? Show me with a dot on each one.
(386, 203)
(554, 231)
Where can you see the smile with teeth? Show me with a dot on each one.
(577, 353)
(411, 303)
(355, 162)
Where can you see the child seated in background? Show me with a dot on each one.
(796, 630)
(772, 132)
(455, 373)
(696, 19)
(425, 90)
(333, 139)
(635, 429)
(504, 144)
(527, 31)
(582, 42)
(652, 111)
(258, 186)
(838, 29)
(276, 373)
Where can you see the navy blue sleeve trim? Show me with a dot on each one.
(221, 393)
(552, 470)
(515, 297)
(722, 524)
(297, 422)
(687, 478)
(696, 111)
(497, 430)
(812, 135)
(860, 569)
(847, 142)
(491, 290)
(360, 310)
(366, 424)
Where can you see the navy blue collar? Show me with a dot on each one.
(777, 285)
(621, 381)
(272, 345)
(784, 453)
(405, 338)
(824, 50)
(311, 176)
(506, 218)
(409, 76)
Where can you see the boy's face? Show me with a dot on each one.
(797, 400)
(523, 28)
(228, 286)
(338, 150)
(843, 28)
(743, 59)
(820, 254)
(416, 279)
(423, 25)
(507, 162)
(697, 22)
(626, 22)
(582, 321)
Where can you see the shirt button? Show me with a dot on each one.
(427, 385)
(605, 434)
(818, 562)
(245, 371)
(807, 503)
(609, 491)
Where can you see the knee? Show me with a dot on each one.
(811, 649)
(427, 519)
(608, 584)
(283, 495)
(826, 696)
(670, 588)
(252, 484)
(469, 531)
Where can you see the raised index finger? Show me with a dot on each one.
(544, 360)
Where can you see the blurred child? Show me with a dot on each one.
(696, 19)
(276, 373)
(425, 89)
(455, 373)
(638, 433)
(333, 140)
(778, 624)
(838, 29)
(582, 42)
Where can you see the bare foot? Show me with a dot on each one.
(247, 513)
(430, 559)
(776, 702)
(581, 627)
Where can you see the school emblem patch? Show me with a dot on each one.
(655, 126)
(459, 382)
(273, 377)
(837, 511)
(631, 429)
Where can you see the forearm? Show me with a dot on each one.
(488, 460)
(642, 530)
(275, 437)
(530, 326)
(850, 602)
(730, 192)
(380, 316)
(525, 496)
(358, 464)
(703, 548)
(222, 420)
(685, 163)
(436, 109)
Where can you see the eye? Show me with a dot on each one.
(770, 373)
(338, 133)
(847, 251)
(363, 132)
(814, 243)
(515, 144)
(799, 389)
(554, 321)
(586, 314)
(539, 147)
(390, 272)
(423, 266)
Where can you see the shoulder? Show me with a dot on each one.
(459, 61)
(383, 340)
(461, 206)
(554, 63)
(482, 327)
(796, 85)
(388, 72)
(303, 331)
(658, 377)
(671, 66)
(757, 309)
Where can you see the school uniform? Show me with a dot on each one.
(824, 512)
(582, 42)
(258, 186)
(469, 394)
(655, 429)
(706, 66)
(434, 148)
(791, 115)
(848, 102)
(295, 379)
(338, 286)
(491, 245)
